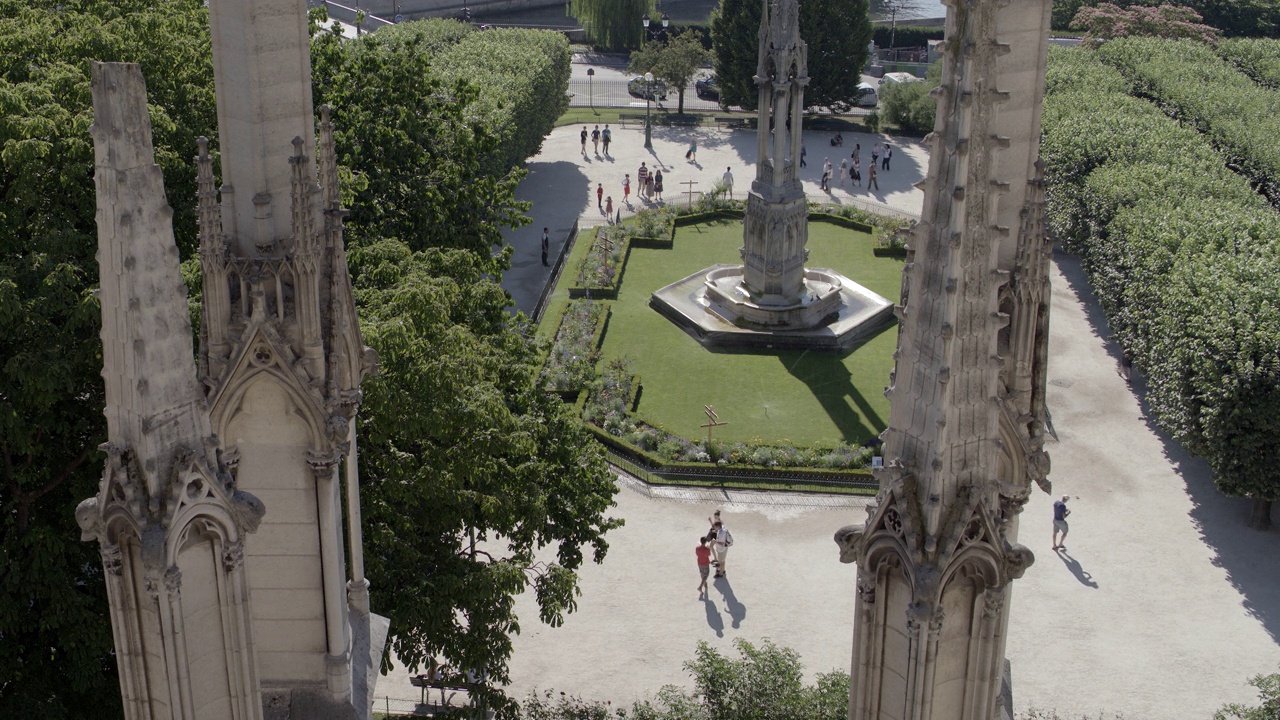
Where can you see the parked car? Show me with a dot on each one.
(708, 88)
(866, 96)
(637, 87)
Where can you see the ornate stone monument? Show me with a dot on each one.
(938, 552)
(211, 625)
(772, 299)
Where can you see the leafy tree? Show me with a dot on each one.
(1107, 21)
(55, 655)
(838, 33)
(477, 484)
(1235, 18)
(909, 105)
(1268, 691)
(613, 24)
(675, 60)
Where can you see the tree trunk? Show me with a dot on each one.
(1260, 518)
(680, 110)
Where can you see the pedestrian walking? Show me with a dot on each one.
(608, 209)
(703, 553)
(803, 151)
(855, 174)
(888, 155)
(875, 154)
(871, 177)
(606, 136)
(723, 541)
(626, 189)
(727, 179)
(584, 141)
(600, 196)
(826, 174)
(657, 184)
(1060, 513)
(595, 139)
(546, 245)
(642, 175)
(692, 155)
(844, 170)
(857, 151)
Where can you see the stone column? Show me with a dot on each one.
(338, 658)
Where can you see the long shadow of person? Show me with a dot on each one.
(713, 615)
(737, 611)
(1074, 566)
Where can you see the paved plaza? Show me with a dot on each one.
(561, 183)
(1162, 605)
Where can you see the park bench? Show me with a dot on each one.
(436, 678)
(624, 118)
(734, 121)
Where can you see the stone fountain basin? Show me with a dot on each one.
(713, 306)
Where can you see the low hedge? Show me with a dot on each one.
(841, 221)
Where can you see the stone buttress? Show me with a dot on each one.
(938, 552)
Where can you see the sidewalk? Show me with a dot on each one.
(561, 182)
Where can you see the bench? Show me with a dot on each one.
(735, 121)
(624, 118)
(443, 682)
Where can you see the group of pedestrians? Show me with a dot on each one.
(713, 550)
(597, 136)
(851, 167)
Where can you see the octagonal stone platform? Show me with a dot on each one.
(713, 314)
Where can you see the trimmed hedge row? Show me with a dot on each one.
(1259, 59)
(1193, 84)
(521, 79)
(1185, 259)
(906, 36)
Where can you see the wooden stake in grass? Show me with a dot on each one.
(713, 420)
(690, 183)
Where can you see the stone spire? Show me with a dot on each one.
(938, 552)
(168, 517)
(262, 77)
(283, 359)
(776, 222)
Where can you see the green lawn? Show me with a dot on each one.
(803, 397)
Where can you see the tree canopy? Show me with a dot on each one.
(1107, 21)
(417, 147)
(1235, 18)
(675, 60)
(838, 33)
(613, 24)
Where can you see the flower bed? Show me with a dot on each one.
(571, 363)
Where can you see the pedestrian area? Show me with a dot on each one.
(1162, 605)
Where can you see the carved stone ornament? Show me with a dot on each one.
(866, 589)
(111, 559)
(850, 538)
(232, 556)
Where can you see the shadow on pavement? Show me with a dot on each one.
(713, 615)
(1074, 566)
(1248, 556)
(737, 611)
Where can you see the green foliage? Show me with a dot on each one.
(675, 60)
(909, 105)
(1268, 691)
(603, 262)
(1190, 82)
(1107, 21)
(468, 470)
(522, 77)
(613, 24)
(837, 32)
(1183, 255)
(56, 655)
(1235, 18)
(906, 36)
(1259, 59)
(572, 361)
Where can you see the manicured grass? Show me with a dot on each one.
(802, 397)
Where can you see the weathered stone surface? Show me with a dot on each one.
(964, 445)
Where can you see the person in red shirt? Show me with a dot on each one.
(704, 563)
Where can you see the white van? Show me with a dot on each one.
(866, 96)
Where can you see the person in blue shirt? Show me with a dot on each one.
(1060, 513)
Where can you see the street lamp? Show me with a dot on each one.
(648, 95)
(591, 73)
